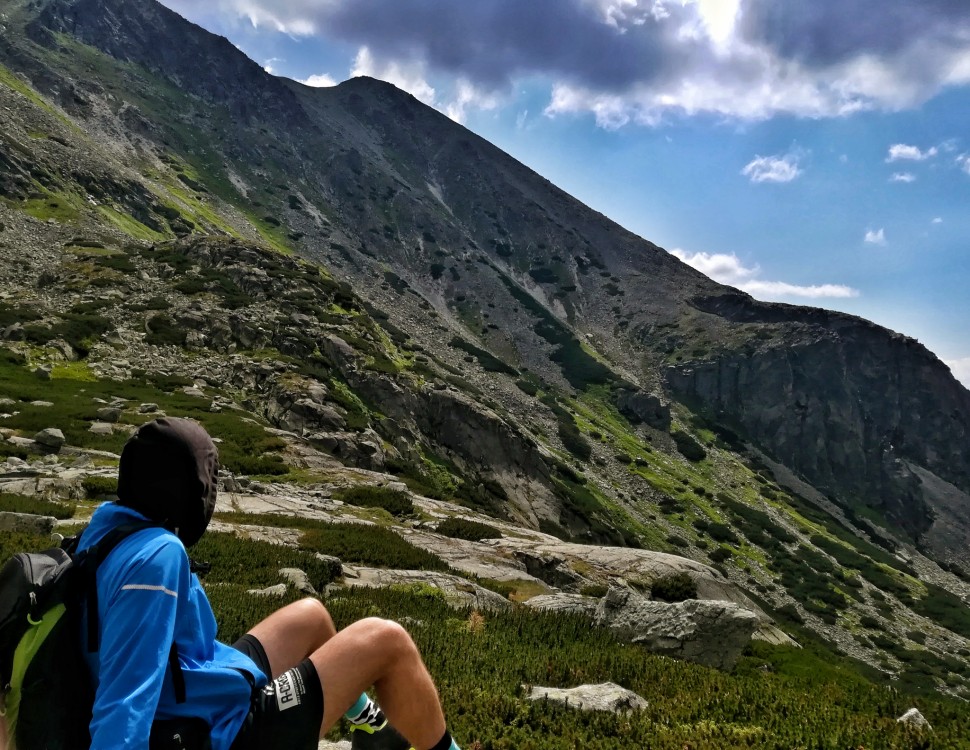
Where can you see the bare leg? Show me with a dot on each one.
(380, 653)
(292, 633)
(369, 653)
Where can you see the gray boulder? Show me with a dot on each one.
(306, 415)
(279, 590)
(51, 438)
(299, 580)
(364, 450)
(101, 428)
(640, 406)
(550, 567)
(914, 718)
(109, 414)
(712, 633)
(605, 697)
(15, 332)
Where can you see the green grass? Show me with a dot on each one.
(11, 81)
(60, 208)
(579, 367)
(777, 698)
(245, 447)
(129, 225)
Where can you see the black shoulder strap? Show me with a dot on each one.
(89, 561)
(178, 677)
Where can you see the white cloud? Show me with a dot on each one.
(728, 269)
(468, 96)
(411, 77)
(719, 18)
(270, 65)
(405, 75)
(772, 168)
(937, 220)
(960, 369)
(723, 268)
(321, 80)
(611, 111)
(768, 290)
(903, 177)
(875, 237)
(902, 151)
(963, 160)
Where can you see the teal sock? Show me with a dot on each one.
(365, 711)
(446, 743)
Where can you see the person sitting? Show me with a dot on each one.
(284, 684)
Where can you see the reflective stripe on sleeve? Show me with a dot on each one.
(146, 587)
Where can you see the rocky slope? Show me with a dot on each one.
(394, 294)
(367, 180)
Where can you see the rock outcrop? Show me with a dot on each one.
(711, 633)
(576, 604)
(605, 697)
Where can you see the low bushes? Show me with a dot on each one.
(37, 506)
(676, 587)
(472, 531)
(99, 487)
(256, 563)
(369, 545)
(395, 502)
(688, 447)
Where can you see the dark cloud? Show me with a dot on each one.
(824, 32)
(634, 59)
(491, 42)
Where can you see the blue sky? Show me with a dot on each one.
(807, 151)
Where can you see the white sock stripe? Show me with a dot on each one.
(146, 587)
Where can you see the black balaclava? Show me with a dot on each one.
(168, 472)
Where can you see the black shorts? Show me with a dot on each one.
(287, 713)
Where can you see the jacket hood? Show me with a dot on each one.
(169, 473)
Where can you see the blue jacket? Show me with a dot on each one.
(146, 597)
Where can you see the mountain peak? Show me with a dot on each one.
(148, 34)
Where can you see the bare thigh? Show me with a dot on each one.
(292, 633)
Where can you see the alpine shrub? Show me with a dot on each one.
(676, 587)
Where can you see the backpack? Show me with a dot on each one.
(47, 695)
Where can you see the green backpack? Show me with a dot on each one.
(47, 693)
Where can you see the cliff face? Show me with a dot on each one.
(850, 406)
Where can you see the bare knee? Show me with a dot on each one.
(313, 610)
(315, 618)
(388, 637)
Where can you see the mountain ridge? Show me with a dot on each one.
(469, 327)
